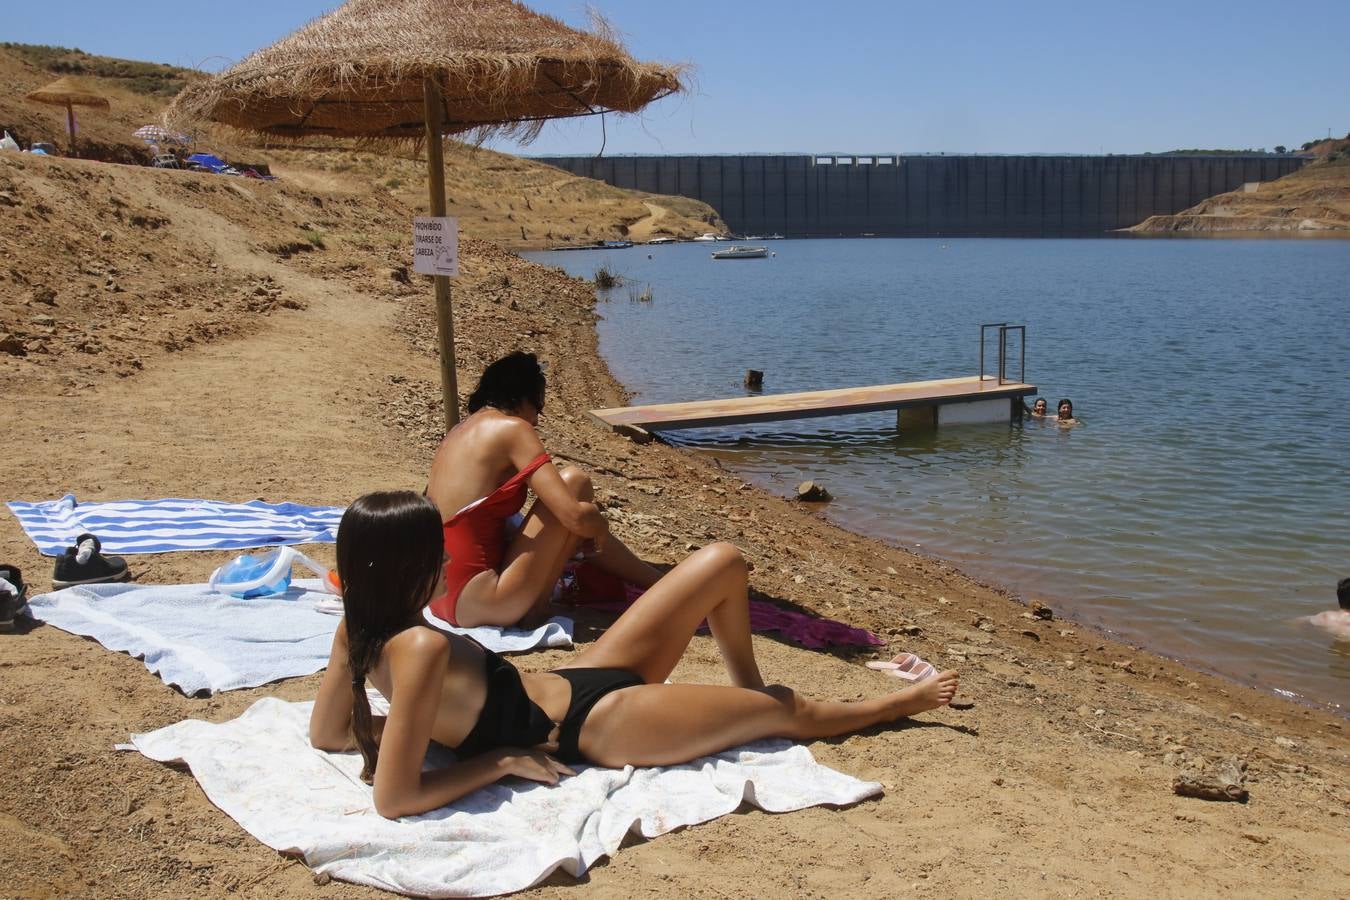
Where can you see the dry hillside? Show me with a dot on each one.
(1312, 201)
(136, 93)
(505, 199)
(496, 196)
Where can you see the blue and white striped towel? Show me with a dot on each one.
(161, 526)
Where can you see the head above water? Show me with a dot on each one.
(509, 383)
(1343, 593)
(1040, 406)
(1065, 408)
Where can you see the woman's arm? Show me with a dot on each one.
(330, 721)
(581, 517)
(417, 668)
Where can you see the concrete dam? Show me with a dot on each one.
(888, 194)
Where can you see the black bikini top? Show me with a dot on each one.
(509, 717)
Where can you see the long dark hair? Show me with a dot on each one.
(389, 552)
(509, 381)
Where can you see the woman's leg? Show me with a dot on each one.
(652, 634)
(667, 724)
(533, 562)
(615, 557)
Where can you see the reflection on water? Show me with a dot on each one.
(1199, 510)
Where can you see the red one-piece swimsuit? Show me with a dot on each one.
(475, 537)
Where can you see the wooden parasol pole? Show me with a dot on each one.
(70, 126)
(445, 325)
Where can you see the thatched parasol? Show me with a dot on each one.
(390, 70)
(69, 92)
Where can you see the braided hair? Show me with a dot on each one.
(389, 556)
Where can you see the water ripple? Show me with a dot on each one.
(1199, 511)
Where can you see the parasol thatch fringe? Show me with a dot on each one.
(357, 72)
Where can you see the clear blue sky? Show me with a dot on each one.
(981, 76)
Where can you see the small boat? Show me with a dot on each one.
(661, 240)
(709, 236)
(742, 253)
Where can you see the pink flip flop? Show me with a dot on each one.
(906, 666)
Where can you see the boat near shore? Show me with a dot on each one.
(742, 253)
(597, 245)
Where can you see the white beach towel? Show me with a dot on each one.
(203, 642)
(161, 526)
(261, 771)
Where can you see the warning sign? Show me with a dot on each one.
(436, 245)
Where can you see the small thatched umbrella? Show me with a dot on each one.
(390, 70)
(69, 92)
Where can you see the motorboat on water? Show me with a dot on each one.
(742, 253)
(710, 236)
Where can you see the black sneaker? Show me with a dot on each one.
(13, 596)
(84, 564)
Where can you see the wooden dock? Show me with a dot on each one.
(966, 400)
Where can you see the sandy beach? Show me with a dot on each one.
(177, 343)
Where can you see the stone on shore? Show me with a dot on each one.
(813, 492)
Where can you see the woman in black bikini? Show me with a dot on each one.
(609, 707)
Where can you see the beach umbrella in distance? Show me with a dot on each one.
(69, 92)
(158, 134)
(409, 70)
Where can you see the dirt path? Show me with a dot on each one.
(642, 229)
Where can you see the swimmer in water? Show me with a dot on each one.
(1065, 416)
(1040, 409)
(1336, 621)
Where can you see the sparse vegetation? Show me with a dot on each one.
(153, 79)
(640, 295)
(315, 238)
(605, 278)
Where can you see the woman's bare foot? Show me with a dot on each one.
(925, 695)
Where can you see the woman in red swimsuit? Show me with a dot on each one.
(479, 478)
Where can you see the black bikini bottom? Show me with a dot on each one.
(588, 687)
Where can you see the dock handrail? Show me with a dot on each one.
(1003, 329)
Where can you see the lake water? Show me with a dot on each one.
(1202, 507)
